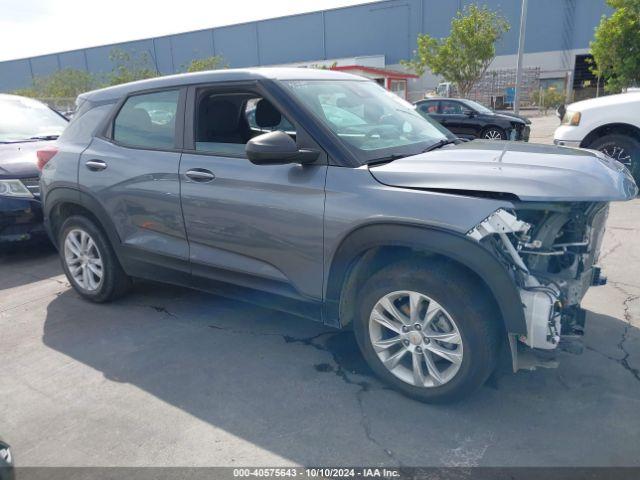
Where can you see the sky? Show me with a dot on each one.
(36, 27)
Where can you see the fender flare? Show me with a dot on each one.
(455, 246)
(66, 195)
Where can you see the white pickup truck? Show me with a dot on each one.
(609, 124)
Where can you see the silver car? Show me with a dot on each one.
(322, 194)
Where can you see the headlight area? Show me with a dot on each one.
(20, 210)
(550, 251)
(571, 118)
(14, 188)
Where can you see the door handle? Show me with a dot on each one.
(200, 175)
(96, 165)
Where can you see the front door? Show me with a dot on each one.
(257, 226)
(454, 117)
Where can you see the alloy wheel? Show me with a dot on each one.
(493, 135)
(416, 339)
(83, 260)
(617, 153)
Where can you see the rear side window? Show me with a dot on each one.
(148, 120)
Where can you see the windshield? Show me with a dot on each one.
(371, 121)
(22, 119)
(477, 107)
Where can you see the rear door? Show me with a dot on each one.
(259, 226)
(132, 173)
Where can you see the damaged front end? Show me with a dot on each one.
(551, 251)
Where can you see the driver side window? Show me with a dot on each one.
(451, 108)
(225, 122)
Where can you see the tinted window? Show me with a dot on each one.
(226, 122)
(451, 108)
(148, 120)
(429, 107)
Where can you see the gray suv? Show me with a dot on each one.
(322, 194)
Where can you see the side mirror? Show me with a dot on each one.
(469, 113)
(277, 148)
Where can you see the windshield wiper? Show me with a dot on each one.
(440, 144)
(45, 137)
(387, 159)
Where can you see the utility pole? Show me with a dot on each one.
(523, 26)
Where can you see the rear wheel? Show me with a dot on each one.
(622, 148)
(89, 262)
(427, 330)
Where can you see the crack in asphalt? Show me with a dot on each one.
(364, 387)
(624, 361)
(625, 335)
(605, 254)
(338, 369)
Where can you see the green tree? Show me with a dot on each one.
(130, 66)
(463, 57)
(209, 63)
(549, 98)
(616, 46)
(65, 83)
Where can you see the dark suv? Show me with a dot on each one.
(470, 120)
(322, 194)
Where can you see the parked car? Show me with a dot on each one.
(469, 119)
(6, 462)
(26, 126)
(374, 221)
(609, 124)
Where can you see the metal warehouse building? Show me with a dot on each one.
(375, 35)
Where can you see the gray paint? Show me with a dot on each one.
(260, 220)
(530, 172)
(141, 191)
(388, 28)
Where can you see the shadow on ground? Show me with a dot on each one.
(26, 261)
(302, 391)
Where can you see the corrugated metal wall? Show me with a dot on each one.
(385, 28)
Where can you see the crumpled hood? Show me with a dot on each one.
(18, 160)
(529, 171)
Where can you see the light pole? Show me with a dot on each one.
(523, 25)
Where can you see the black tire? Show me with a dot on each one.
(115, 282)
(466, 303)
(618, 145)
(498, 132)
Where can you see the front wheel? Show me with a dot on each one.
(89, 262)
(494, 133)
(427, 330)
(622, 148)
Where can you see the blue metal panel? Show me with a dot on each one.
(291, 39)
(190, 46)
(100, 63)
(15, 74)
(371, 29)
(74, 59)
(437, 15)
(44, 65)
(588, 15)
(510, 9)
(164, 58)
(237, 44)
